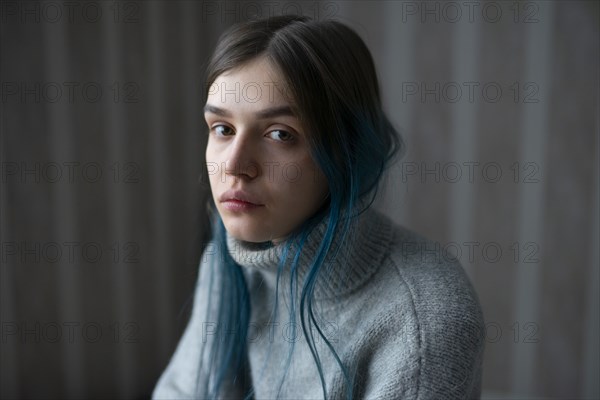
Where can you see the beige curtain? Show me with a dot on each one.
(102, 153)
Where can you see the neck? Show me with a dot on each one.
(351, 262)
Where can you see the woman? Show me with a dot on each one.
(305, 290)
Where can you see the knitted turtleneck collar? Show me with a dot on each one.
(357, 260)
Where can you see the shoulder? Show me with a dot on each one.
(430, 276)
(437, 281)
(408, 263)
(428, 291)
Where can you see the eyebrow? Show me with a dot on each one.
(262, 114)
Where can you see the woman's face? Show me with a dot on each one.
(257, 146)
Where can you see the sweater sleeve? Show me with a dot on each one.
(430, 344)
(179, 379)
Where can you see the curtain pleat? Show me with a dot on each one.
(102, 221)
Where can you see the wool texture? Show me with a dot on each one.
(399, 311)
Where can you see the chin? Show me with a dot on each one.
(246, 235)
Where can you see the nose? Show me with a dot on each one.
(242, 159)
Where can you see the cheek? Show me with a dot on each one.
(213, 171)
(213, 161)
(300, 184)
(210, 153)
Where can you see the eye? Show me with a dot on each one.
(281, 135)
(222, 130)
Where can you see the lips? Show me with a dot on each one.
(240, 195)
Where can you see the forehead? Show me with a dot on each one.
(254, 85)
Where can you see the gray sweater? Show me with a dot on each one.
(393, 305)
